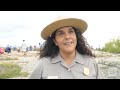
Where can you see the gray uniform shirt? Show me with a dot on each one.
(82, 67)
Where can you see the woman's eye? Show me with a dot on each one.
(60, 34)
(71, 31)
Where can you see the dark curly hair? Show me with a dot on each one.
(51, 50)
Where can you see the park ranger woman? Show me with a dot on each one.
(66, 54)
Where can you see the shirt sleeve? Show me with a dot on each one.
(37, 71)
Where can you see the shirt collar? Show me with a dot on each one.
(79, 58)
(56, 59)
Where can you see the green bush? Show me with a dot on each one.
(113, 46)
(9, 70)
(8, 58)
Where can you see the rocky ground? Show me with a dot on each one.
(108, 62)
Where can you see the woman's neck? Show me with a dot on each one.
(68, 57)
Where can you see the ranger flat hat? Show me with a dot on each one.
(75, 22)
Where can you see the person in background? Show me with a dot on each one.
(30, 48)
(8, 49)
(1, 50)
(66, 53)
(39, 44)
(24, 48)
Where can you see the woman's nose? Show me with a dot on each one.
(67, 36)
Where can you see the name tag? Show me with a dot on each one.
(52, 77)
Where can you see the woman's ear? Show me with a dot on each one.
(55, 42)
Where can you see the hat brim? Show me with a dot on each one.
(77, 23)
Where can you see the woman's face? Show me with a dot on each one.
(65, 39)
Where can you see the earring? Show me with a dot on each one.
(56, 44)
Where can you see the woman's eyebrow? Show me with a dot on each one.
(68, 29)
(60, 30)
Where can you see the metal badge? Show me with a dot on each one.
(86, 71)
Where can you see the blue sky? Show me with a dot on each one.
(18, 25)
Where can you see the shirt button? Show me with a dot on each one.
(69, 70)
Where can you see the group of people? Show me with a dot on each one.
(66, 53)
(8, 49)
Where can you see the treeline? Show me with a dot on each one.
(113, 46)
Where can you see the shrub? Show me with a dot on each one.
(9, 70)
(113, 46)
